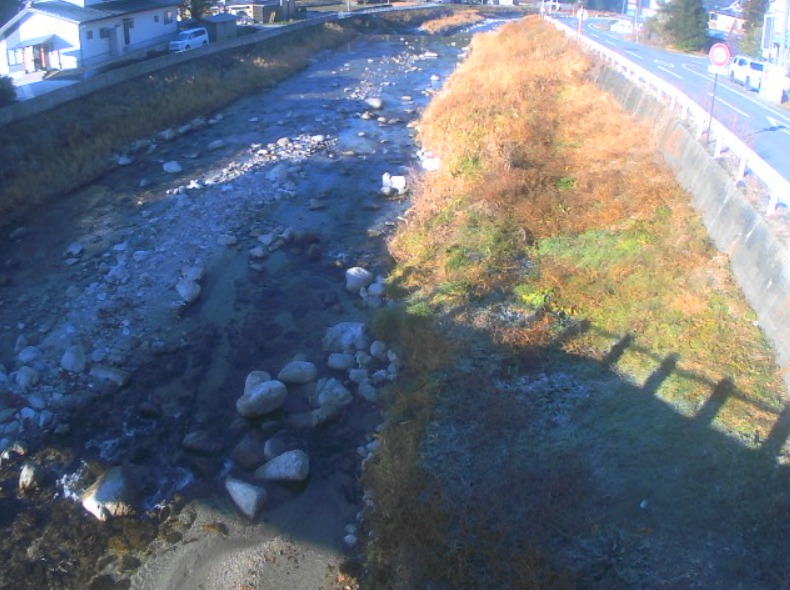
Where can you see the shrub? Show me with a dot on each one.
(7, 91)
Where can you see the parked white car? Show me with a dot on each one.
(189, 39)
(622, 27)
(747, 71)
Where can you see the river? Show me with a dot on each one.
(133, 311)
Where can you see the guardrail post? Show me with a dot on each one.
(773, 201)
(718, 147)
(741, 169)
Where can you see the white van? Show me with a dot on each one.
(747, 71)
(189, 39)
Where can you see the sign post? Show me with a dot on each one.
(719, 56)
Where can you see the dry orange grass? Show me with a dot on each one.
(459, 18)
(539, 165)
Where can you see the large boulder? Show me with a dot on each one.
(357, 278)
(346, 337)
(298, 372)
(262, 399)
(331, 392)
(112, 495)
(290, 466)
(73, 359)
(247, 497)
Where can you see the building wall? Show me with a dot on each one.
(105, 39)
(64, 48)
(89, 44)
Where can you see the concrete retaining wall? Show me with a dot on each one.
(759, 259)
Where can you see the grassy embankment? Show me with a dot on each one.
(73, 144)
(590, 403)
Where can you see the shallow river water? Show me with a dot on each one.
(277, 196)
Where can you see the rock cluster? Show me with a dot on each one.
(355, 364)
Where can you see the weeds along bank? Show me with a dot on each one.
(591, 403)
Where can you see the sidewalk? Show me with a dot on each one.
(34, 84)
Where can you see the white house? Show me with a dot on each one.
(64, 34)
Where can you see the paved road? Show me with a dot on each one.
(760, 124)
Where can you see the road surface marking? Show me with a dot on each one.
(704, 76)
(634, 53)
(670, 72)
(734, 108)
(778, 125)
(661, 62)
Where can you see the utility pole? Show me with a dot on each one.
(783, 61)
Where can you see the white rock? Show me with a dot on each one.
(73, 359)
(340, 361)
(357, 278)
(376, 288)
(363, 359)
(258, 252)
(358, 376)
(350, 541)
(247, 497)
(378, 350)
(380, 376)
(298, 372)
(188, 290)
(262, 399)
(227, 240)
(21, 342)
(194, 272)
(254, 379)
(111, 495)
(29, 354)
(172, 167)
(290, 466)
(346, 337)
(331, 392)
(216, 145)
(398, 183)
(374, 103)
(105, 373)
(314, 417)
(75, 249)
(30, 477)
(168, 134)
(124, 160)
(367, 391)
(273, 448)
(27, 377)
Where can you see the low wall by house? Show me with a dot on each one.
(760, 260)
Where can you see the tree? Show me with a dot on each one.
(753, 13)
(685, 24)
(196, 8)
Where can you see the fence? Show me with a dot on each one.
(719, 136)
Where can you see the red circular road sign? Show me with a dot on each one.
(719, 54)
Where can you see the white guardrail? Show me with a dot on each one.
(722, 138)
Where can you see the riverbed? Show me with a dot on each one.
(134, 312)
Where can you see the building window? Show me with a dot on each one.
(156, 18)
(89, 35)
(104, 33)
(168, 17)
(14, 57)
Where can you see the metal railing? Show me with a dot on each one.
(707, 128)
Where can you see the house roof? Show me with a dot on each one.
(71, 12)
